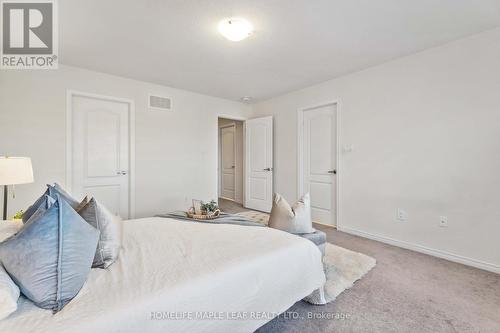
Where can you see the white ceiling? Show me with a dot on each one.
(297, 43)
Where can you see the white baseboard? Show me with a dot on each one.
(427, 250)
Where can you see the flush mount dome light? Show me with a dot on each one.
(235, 29)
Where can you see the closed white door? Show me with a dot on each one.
(259, 164)
(319, 162)
(228, 160)
(100, 152)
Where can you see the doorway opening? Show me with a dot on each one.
(245, 163)
(231, 160)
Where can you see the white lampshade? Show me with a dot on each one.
(15, 170)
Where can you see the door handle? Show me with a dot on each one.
(233, 167)
(333, 172)
(268, 169)
(123, 173)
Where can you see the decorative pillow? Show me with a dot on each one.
(9, 294)
(50, 257)
(9, 228)
(45, 203)
(296, 219)
(52, 191)
(58, 190)
(82, 204)
(32, 209)
(109, 240)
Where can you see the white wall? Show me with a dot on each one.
(176, 152)
(238, 170)
(426, 136)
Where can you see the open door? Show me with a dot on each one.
(259, 164)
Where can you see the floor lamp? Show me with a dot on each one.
(14, 171)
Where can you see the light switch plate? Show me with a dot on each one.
(401, 215)
(443, 221)
(347, 148)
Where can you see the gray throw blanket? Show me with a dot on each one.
(224, 218)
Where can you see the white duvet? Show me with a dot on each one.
(178, 276)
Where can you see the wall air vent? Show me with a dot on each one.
(159, 103)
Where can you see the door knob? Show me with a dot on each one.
(123, 173)
(268, 169)
(233, 167)
(333, 172)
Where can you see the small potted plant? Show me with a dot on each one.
(207, 211)
(18, 216)
(208, 208)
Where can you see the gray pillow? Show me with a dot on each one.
(295, 219)
(51, 256)
(82, 204)
(109, 240)
(52, 191)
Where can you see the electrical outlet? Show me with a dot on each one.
(402, 215)
(443, 221)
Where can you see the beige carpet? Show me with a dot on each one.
(405, 292)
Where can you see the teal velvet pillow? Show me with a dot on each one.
(45, 203)
(51, 256)
(58, 190)
(52, 191)
(33, 208)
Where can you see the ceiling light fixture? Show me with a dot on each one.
(246, 99)
(235, 29)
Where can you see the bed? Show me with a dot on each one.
(178, 276)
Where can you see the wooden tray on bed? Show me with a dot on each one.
(211, 216)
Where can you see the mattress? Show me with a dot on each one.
(178, 276)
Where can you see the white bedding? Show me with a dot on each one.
(171, 272)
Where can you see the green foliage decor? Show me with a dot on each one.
(19, 215)
(209, 207)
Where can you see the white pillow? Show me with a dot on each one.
(9, 291)
(9, 294)
(295, 219)
(9, 228)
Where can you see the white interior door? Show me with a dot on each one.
(319, 161)
(259, 164)
(228, 161)
(100, 152)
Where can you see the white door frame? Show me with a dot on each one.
(70, 94)
(300, 153)
(233, 125)
(235, 118)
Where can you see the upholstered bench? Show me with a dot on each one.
(318, 237)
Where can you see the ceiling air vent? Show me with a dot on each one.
(159, 103)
